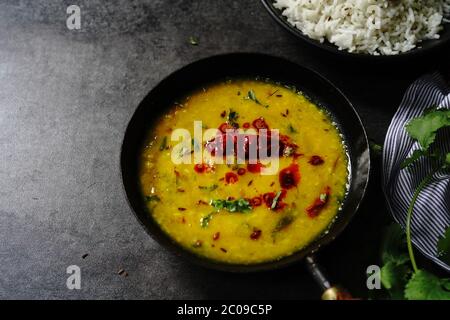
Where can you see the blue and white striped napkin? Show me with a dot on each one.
(431, 214)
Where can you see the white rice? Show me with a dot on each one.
(385, 27)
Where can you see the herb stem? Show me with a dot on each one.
(409, 213)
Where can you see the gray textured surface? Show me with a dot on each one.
(65, 99)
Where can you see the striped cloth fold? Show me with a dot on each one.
(431, 215)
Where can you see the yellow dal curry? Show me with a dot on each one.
(232, 213)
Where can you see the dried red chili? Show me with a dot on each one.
(260, 124)
(316, 160)
(256, 201)
(315, 209)
(268, 198)
(289, 177)
(216, 236)
(246, 125)
(200, 168)
(256, 234)
(224, 127)
(254, 167)
(241, 171)
(231, 177)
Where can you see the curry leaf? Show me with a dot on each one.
(283, 223)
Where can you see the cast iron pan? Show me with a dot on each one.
(203, 72)
(426, 47)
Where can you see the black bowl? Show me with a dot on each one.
(240, 65)
(424, 48)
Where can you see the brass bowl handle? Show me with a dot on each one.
(330, 292)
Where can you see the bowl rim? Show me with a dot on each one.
(418, 51)
(167, 242)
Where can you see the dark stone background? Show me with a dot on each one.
(65, 99)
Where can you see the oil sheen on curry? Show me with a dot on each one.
(232, 212)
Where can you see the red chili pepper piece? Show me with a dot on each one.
(231, 177)
(256, 234)
(315, 209)
(268, 198)
(254, 167)
(241, 171)
(200, 168)
(260, 124)
(216, 236)
(290, 176)
(246, 125)
(316, 160)
(224, 127)
(255, 201)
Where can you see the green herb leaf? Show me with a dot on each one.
(209, 188)
(291, 129)
(447, 162)
(396, 268)
(283, 223)
(376, 148)
(163, 144)
(152, 197)
(424, 128)
(252, 96)
(240, 205)
(232, 117)
(193, 41)
(444, 246)
(394, 245)
(204, 221)
(426, 286)
(413, 158)
(394, 277)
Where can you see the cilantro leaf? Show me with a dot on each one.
(444, 246)
(426, 286)
(396, 268)
(413, 158)
(204, 221)
(447, 162)
(424, 128)
(376, 148)
(394, 277)
(394, 244)
(240, 205)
